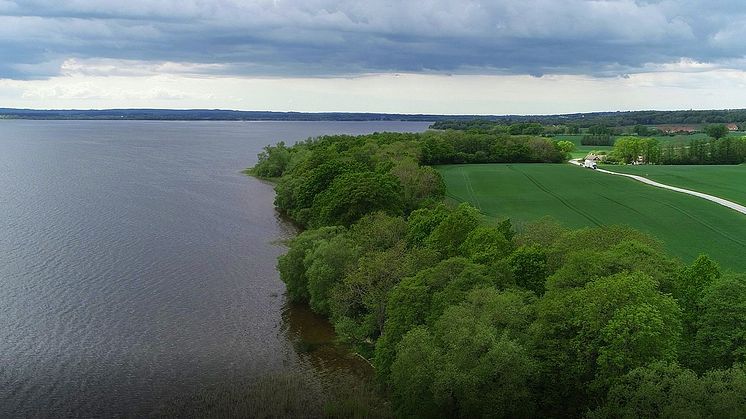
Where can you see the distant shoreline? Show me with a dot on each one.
(218, 115)
(584, 119)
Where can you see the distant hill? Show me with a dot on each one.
(217, 115)
(624, 118)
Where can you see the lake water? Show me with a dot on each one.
(137, 263)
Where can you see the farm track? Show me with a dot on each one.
(720, 201)
(470, 189)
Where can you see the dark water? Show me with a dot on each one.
(136, 262)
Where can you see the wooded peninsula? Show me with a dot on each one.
(464, 315)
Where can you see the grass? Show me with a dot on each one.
(579, 197)
(728, 182)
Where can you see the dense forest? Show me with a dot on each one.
(609, 119)
(465, 316)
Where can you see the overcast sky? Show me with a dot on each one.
(420, 56)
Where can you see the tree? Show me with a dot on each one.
(422, 222)
(691, 283)
(467, 365)
(716, 131)
(641, 130)
(721, 327)
(485, 245)
(448, 236)
(529, 267)
(292, 266)
(272, 161)
(420, 184)
(587, 338)
(565, 147)
(666, 390)
(416, 366)
(359, 301)
(421, 300)
(378, 231)
(353, 195)
(326, 265)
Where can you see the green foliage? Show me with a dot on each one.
(485, 245)
(716, 131)
(466, 147)
(421, 299)
(353, 195)
(422, 222)
(529, 268)
(642, 130)
(378, 231)
(448, 236)
(586, 338)
(292, 265)
(721, 326)
(272, 161)
(326, 265)
(626, 255)
(566, 147)
(603, 120)
(420, 184)
(633, 149)
(470, 367)
(691, 283)
(359, 300)
(665, 390)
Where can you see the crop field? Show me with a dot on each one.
(580, 197)
(727, 182)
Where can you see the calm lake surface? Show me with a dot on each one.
(137, 263)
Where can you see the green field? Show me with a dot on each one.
(728, 182)
(580, 197)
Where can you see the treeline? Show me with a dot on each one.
(467, 318)
(610, 119)
(455, 147)
(725, 150)
(335, 179)
(484, 126)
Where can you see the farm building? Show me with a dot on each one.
(595, 157)
(674, 129)
(732, 127)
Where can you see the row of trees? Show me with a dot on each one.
(468, 318)
(451, 146)
(726, 150)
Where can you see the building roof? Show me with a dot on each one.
(678, 128)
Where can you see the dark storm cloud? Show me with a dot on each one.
(342, 37)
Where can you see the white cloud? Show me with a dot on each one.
(399, 93)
